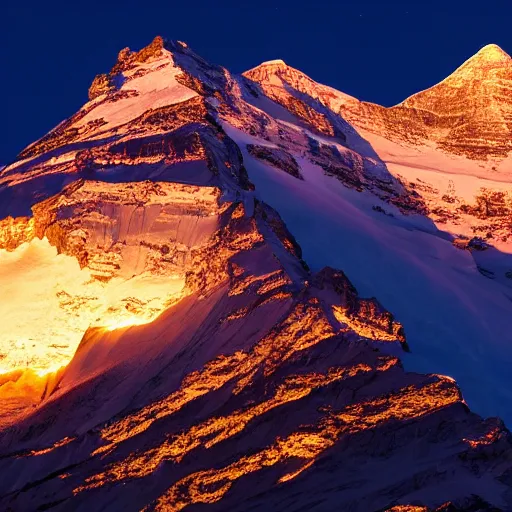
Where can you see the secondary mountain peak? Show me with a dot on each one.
(491, 63)
(470, 110)
(492, 52)
(269, 70)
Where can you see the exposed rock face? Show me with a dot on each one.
(134, 243)
(259, 384)
(101, 84)
(276, 157)
(474, 504)
(367, 317)
(16, 231)
(126, 229)
(104, 84)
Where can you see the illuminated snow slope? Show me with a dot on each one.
(458, 322)
(50, 302)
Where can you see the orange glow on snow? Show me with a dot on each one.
(52, 302)
(112, 324)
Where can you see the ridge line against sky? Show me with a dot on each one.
(381, 53)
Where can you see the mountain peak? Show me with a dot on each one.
(489, 63)
(469, 109)
(490, 57)
(266, 68)
(493, 53)
(275, 62)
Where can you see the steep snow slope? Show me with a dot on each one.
(264, 383)
(458, 322)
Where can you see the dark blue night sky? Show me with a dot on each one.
(375, 50)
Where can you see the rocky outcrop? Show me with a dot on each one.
(473, 504)
(277, 158)
(16, 231)
(107, 83)
(365, 316)
(473, 244)
(102, 84)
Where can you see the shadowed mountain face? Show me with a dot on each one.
(167, 344)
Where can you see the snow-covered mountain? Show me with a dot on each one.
(469, 113)
(214, 283)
